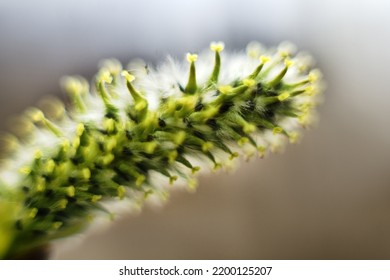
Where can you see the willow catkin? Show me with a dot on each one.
(138, 129)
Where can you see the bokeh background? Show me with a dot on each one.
(327, 198)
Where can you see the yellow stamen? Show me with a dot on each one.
(277, 130)
(127, 76)
(121, 192)
(249, 82)
(217, 46)
(191, 57)
(283, 96)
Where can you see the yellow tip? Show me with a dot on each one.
(264, 59)
(95, 198)
(80, 129)
(86, 173)
(225, 89)
(127, 76)
(38, 154)
(65, 144)
(121, 192)
(192, 184)
(172, 179)
(314, 76)
(249, 82)
(304, 119)
(249, 128)
(242, 141)
(261, 150)
(50, 165)
(293, 137)
(217, 166)
(57, 225)
(217, 46)
(106, 160)
(62, 203)
(277, 130)
(150, 147)
(106, 77)
(179, 137)
(33, 213)
(71, 191)
(25, 170)
(288, 62)
(284, 54)
(207, 146)
(37, 115)
(191, 57)
(283, 96)
(195, 169)
(233, 155)
(140, 180)
(311, 90)
(172, 156)
(109, 124)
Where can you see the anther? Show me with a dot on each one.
(139, 100)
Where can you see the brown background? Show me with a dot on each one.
(327, 198)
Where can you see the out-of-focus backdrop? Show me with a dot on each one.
(326, 198)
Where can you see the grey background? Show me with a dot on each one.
(327, 198)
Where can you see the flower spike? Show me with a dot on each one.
(108, 147)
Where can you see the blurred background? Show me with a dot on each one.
(326, 198)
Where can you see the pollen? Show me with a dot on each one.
(225, 89)
(314, 76)
(191, 57)
(50, 165)
(249, 128)
(62, 203)
(234, 155)
(264, 59)
(95, 198)
(57, 225)
(172, 179)
(140, 180)
(105, 76)
(71, 191)
(127, 76)
(121, 192)
(288, 62)
(217, 46)
(38, 154)
(33, 213)
(242, 141)
(207, 146)
(179, 137)
(37, 115)
(283, 96)
(277, 130)
(86, 173)
(172, 156)
(80, 129)
(293, 137)
(249, 82)
(25, 170)
(109, 125)
(195, 169)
